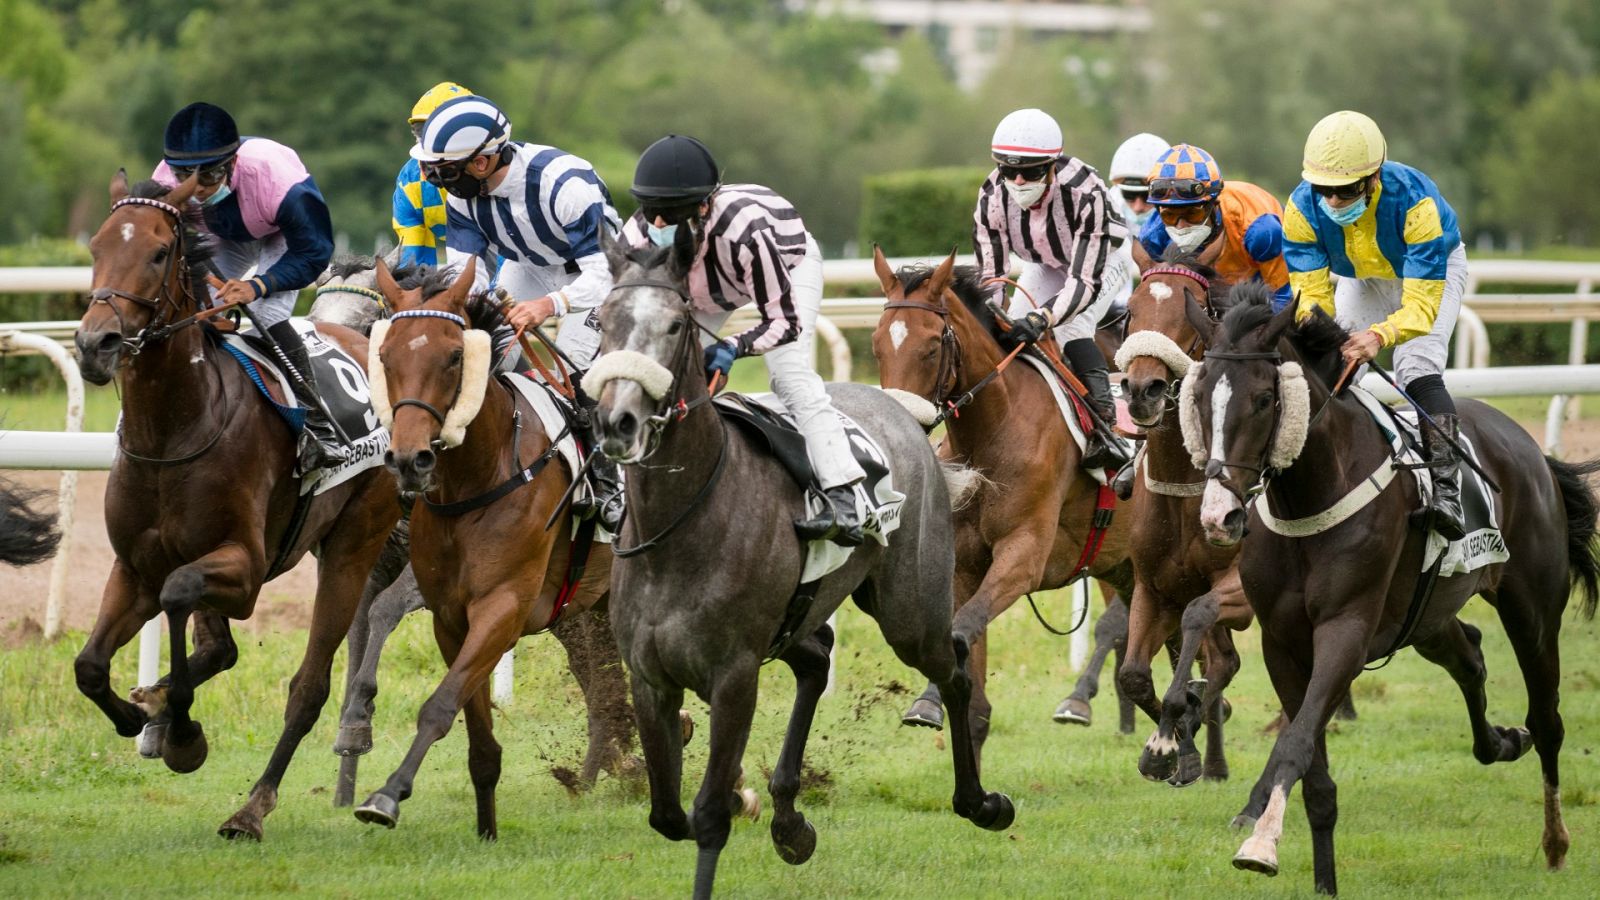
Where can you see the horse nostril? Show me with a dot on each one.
(1234, 520)
(108, 342)
(1155, 390)
(388, 460)
(625, 424)
(423, 461)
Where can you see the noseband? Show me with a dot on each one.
(671, 407)
(164, 304)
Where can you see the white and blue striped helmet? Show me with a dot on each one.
(460, 128)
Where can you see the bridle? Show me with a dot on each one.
(949, 370)
(437, 444)
(1216, 469)
(165, 304)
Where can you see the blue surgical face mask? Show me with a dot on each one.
(664, 235)
(1346, 216)
(1137, 220)
(221, 195)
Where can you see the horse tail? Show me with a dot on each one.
(1583, 554)
(963, 482)
(26, 537)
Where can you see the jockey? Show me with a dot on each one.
(541, 210)
(1198, 208)
(266, 213)
(1052, 211)
(419, 209)
(1389, 235)
(1129, 199)
(753, 248)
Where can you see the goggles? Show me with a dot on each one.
(1342, 191)
(209, 176)
(1034, 172)
(674, 214)
(1167, 190)
(448, 171)
(1189, 215)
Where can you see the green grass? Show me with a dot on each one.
(81, 814)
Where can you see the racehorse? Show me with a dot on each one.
(492, 558)
(347, 293)
(26, 536)
(708, 565)
(1341, 592)
(1026, 527)
(1179, 577)
(201, 502)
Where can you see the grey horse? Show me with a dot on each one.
(708, 561)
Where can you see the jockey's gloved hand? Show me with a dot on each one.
(1031, 327)
(719, 358)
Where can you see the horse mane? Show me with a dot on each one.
(964, 282)
(483, 309)
(199, 246)
(1316, 339)
(346, 264)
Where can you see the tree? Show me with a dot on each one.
(1539, 182)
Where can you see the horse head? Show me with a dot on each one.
(428, 355)
(916, 346)
(649, 359)
(139, 271)
(347, 292)
(1161, 344)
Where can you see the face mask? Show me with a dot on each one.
(664, 235)
(1346, 216)
(1028, 193)
(1136, 220)
(465, 186)
(1188, 237)
(221, 195)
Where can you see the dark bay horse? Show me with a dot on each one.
(490, 565)
(202, 494)
(1181, 580)
(708, 561)
(26, 535)
(1339, 594)
(1025, 528)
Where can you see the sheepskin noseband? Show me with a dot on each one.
(628, 365)
(1294, 397)
(1158, 345)
(476, 353)
(924, 412)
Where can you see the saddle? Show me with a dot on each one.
(1076, 414)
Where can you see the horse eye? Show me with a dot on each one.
(160, 257)
(1263, 400)
(675, 327)
(455, 358)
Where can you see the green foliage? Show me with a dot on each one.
(927, 212)
(1538, 186)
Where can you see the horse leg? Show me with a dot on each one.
(1455, 647)
(794, 838)
(1016, 569)
(1170, 753)
(1532, 621)
(1222, 664)
(381, 617)
(661, 738)
(928, 710)
(991, 810)
(124, 608)
(493, 626)
(347, 555)
(733, 705)
(592, 657)
(483, 759)
(1110, 633)
(1322, 812)
(214, 652)
(1149, 621)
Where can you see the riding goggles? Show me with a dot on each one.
(449, 171)
(1166, 190)
(1133, 187)
(1036, 172)
(1342, 191)
(676, 214)
(211, 175)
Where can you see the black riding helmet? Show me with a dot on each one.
(674, 171)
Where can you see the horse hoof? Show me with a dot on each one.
(380, 809)
(1518, 741)
(353, 740)
(794, 845)
(686, 722)
(996, 814)
(750, 804)
(186, 757)
(242, 825)
(1257, 856)
(1159, 759)
(151, 737)
(925, 714)
(1188, 771)
(1072, 711)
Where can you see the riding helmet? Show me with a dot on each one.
(1344, 147)
(200, 134)
(1024, 137)
(676, 168)
(462, 128)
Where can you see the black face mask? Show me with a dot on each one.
(465, 186)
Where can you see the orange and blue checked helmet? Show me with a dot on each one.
(1183, 176)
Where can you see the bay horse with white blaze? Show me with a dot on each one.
(201, 502)
(1026, 526)
(492, 558)
(1335, 581)
(708, 561)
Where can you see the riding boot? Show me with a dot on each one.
(320, 447)
(840, 522)
(604, 500)
(1447, 516)
(1090, 365)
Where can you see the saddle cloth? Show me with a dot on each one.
(877, 501)
(1069, 412)
(555, 413)
(342, 383)
(1483, 544)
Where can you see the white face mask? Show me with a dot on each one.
(1188, 237)
(663, 235)
(1028, 193)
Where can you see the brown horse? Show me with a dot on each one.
(202, 496)
(490, 565)
(1335, 580)
(1025, 528)
(1180, 578)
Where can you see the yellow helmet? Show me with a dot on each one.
(1342, 148)
(436, 95)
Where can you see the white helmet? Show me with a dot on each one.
(461, 128)
(1027, 135)
(1134, 159)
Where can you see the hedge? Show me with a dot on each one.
(922, 212)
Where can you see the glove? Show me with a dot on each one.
(1030, 327)
(719, 358)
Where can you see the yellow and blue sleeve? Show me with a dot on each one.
(1306, 262)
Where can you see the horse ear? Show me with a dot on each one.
(1198, 319)
(119, 185)
(886, 277)
(180, 195)
(940, 279)
(616, 252)
(387, 285)
(684, 244)
(1279, 324)
(1141, 256)
(1209, 256)
(463, 284)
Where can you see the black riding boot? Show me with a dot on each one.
(320, 446)
(1447, 519)
(839, 523)
(605, 501)
(1090, 365)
